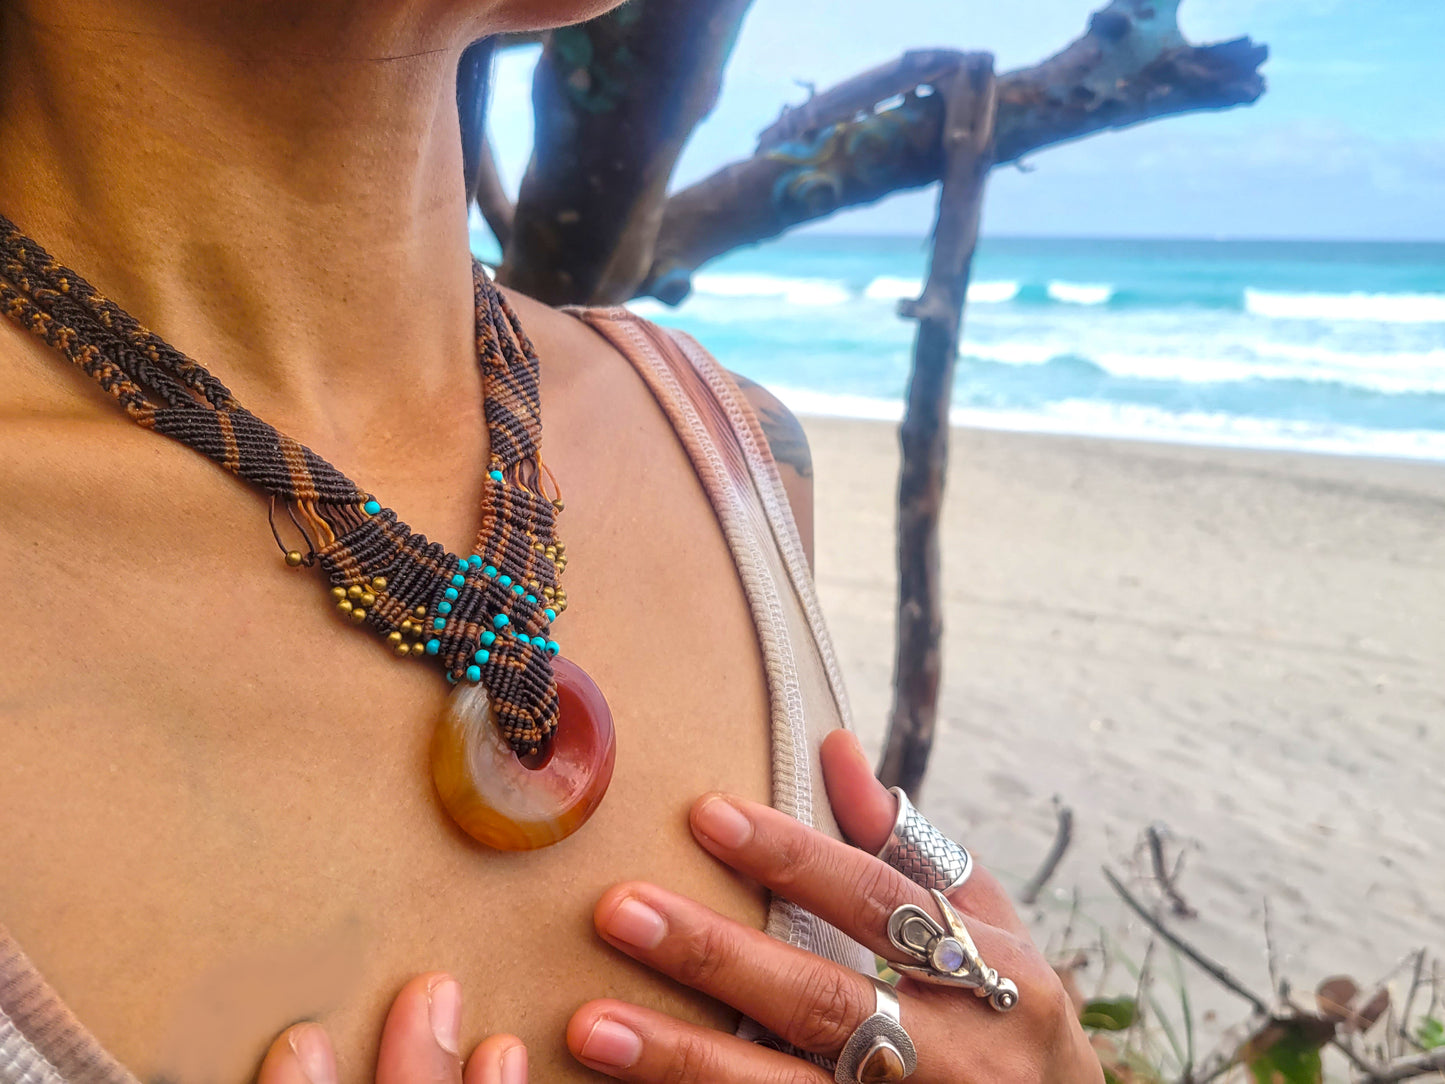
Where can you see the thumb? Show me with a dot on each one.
(498, 1059)
(300, 1055)
(861, 805)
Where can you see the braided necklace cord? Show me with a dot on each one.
(484, 617)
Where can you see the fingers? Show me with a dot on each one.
(420, 1040)
(812, 1002)
(838, 883)
(631, 1043)
(300, 1055)
(865, 811)
(498, 1059)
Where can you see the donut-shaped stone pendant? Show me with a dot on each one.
(514, 806)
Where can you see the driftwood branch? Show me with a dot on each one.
(614, 100)
(1063, 836)
(968, 93)
(1167, 878)
(1407, 1068)
(1214, 970)
(879, 132)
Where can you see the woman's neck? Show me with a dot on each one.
(276, 188)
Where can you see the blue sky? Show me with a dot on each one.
(1347, 142)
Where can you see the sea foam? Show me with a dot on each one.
(1387, 308)
(812, 293)
(1080, 293)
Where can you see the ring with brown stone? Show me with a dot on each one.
(879, 1051)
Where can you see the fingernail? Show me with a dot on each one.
(313, 1052)
(723, 823)
(446, 1014)
(611, 1043)
(634, 923)
(514, 1065)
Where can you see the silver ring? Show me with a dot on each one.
(944, 953)
(921, 852)
(879, 1040)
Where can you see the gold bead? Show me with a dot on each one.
(549, 592)
(338, 593)
(407, 626)
(368, 599)
(344, 605)
(420, 611)
(294, 558)
(559, 504)
(358, 615)
(393, 638)
(378, 583)
(353, 592)
(551, 551)
(403, 650)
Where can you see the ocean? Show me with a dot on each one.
(1320, 346)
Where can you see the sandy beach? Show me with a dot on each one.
(1247, 647)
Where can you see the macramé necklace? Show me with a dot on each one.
(524, 750)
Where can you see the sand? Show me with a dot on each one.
(1247, 647)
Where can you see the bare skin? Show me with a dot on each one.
(215, 815)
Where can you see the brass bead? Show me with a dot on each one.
(549, 592)
(338, 593)
(403, 650)
(368, 599)
(420, 611)
(344, 605)
(358, 615)
(551, 551)
(393, 638)
(353, 592)
(378, 583)
(559, 504)
(407, 626)
(294, 558)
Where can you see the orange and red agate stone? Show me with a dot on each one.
(512, 803)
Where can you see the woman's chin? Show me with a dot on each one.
(517, 15)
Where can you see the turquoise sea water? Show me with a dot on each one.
(1312, 345)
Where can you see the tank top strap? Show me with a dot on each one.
(720, 432)
(41, 1041)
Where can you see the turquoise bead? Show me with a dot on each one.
(433, 646)
(444, 607)
(458, 580)
(489, 637)
(482, 656)
(462, 564)
(474, 561)
(518, 589)
(501, 621)
(532, 599)
(495, 476)
(553, 647)
(451, 593)
(439, 623)
(524, 638)
(490, 570)
(550, 614)
(372, 507)
(505, 581)
(474, 674)
(450, 679)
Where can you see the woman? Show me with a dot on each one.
(215, 818)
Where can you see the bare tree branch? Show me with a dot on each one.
(614, 99)
(1408, 1068)
(1063, 836)
(969, 99)
(842, 150)
(1214, 970)
(491, 197)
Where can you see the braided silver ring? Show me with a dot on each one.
(879, 1050)
(921, 852)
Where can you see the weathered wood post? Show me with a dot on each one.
(968, 149)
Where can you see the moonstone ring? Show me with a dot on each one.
(879, 1051)
(943, 953)
(921, 852)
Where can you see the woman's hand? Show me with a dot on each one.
(811, 1002)
(418, 1045)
